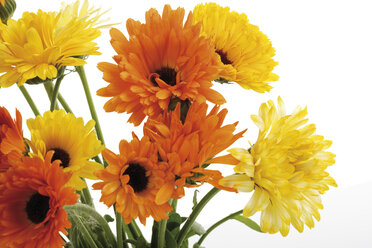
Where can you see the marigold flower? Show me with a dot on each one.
(37, 45)
(132, 181)
(164, 59)
(12, 146)
(185, 149)
(245, 52)
(32, 196)
(73, 143)
(285, 168)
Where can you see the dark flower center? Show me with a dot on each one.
(168, 75)
(37, 208)
(137, 177)
(62, 155)
(224, 58)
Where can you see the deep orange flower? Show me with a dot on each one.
(164, 59)
(185, 149)
(32, 196)
(132, 180)
(12, 145)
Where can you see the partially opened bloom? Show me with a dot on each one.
(32, 196)
(37, 45)
(72, 142)
(163, 59)
(132, 180)
(285, 168)
(185, 149)
(12, 146)
(245, 52)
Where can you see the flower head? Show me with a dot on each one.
(37, 45)
(32, 196)
(163, 59)
(12, 145)
(73, 143)
(285, 168)
(185, 149)
(245, 52)
(132, 180)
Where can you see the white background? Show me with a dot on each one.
(324, 53)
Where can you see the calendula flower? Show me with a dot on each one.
(73, 143)
(37, 45)
(12, 146)
(132, 180)
(285, 168)
(164, 59)
(32, 196)
(245, 52)
(185, 149)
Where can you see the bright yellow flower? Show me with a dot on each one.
(285, 168)
(2, 2)
(246, 53)
(39, 44)
(73, 143)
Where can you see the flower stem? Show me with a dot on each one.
(161, 233)
(83, 78)
(136, 232)
(119, 230)
(214, 226)
(29, 100)
(49, 88)
(191, 219)
(55, 90)
(64, 103)
(87, 196)
(85, 233)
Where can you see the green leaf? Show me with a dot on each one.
(170, 241)
(195, 199)
(108, 218)
(248, 222)
(141, 242)
(174, 221)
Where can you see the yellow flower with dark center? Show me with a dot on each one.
(285, 168)
(73, 143)
(37, 45)
(245, 52)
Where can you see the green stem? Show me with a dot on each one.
(119, 230)
(85, 233)
(83, 78)
(49, 88)
(174, 205)
(128, 232)
(214, 226)
(132, 241)
(191, 219)
(79, 208)
(134, 229)
(161, 233)
(55, 90)
(87, 196)
(29, 100)
(64, 103)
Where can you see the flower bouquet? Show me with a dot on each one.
(162, 76)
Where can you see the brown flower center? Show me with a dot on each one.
(137, 177)
(168, 75)
(62, 155)
(37, 208)
(224, 58)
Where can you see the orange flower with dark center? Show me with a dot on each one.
(185, 149)
(32, 196)
(12, 145)
(132, 180)
(163, 59)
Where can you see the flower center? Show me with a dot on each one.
(137, 177)
(168, 75)
(224, 58)
(62, 155)
(37, 208)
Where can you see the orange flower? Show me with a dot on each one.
(32, 196)
(131, 180)
(187, 148)
(164, 59)
(12, 145)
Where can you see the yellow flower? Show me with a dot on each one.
(246, 53)
(285, 168)
(73, 143)
(37, 45)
